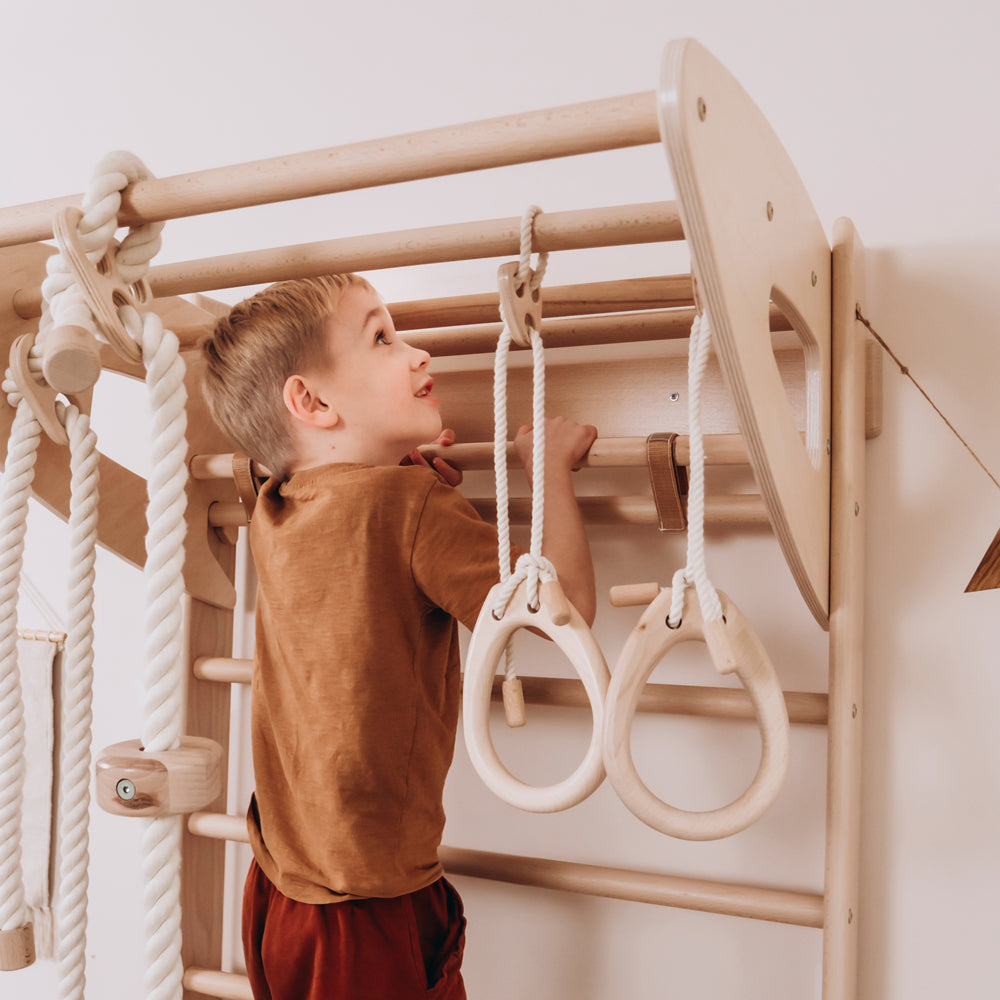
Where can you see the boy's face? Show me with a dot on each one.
(378, 385)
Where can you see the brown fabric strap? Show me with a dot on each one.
(668, 481)
(247, 484)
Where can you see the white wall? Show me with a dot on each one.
(889, 113)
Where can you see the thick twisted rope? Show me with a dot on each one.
(77, 716)
(19, 471)
(532, 566)
(163, 680)
(695, 572)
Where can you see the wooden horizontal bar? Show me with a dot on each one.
(618, 225)
(804, 909)
(728, 510)
(804, 707)
(569, 130)
(622, 295)
(733, 509)
(580, 331)
(735, 899)
(605, 453)
(214, 983)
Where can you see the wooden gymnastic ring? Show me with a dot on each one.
(734, 647)
(489, 640)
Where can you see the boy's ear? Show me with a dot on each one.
(307, 403)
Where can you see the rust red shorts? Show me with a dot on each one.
(363, 949)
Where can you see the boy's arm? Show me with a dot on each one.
(564, 540)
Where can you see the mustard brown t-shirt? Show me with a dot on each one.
(362, 572)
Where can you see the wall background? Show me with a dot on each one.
(889, 113)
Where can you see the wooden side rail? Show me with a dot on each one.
(569, 130)
(735, 899)
(804, 707)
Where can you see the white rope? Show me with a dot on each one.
(695, 572)
(532, 566)
(77, 716)
(19, 472)
(65, 304)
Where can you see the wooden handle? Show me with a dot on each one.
(72, 359)
(552, 596)
(629, 595)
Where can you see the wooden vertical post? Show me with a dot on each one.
(209, 565)
(847, 603)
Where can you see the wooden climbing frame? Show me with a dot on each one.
(761, 261)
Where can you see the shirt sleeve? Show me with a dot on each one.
(454, 560)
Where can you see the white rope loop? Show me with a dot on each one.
(695, 572)
(530, 595)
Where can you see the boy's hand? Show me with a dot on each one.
(447, 473)
(566, 444)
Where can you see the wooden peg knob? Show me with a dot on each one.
(630, 595)
(552, 596)
(136, 782)
(72, 361)
(17, 948)
(513, 703)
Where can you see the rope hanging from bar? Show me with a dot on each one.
(530, 595)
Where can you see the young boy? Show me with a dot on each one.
(366, 556)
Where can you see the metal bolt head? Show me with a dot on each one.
(857, 509)
(814, 279)
(702, 109)
(829, 447)
(674, 396)
(125, 790)
(770, 211)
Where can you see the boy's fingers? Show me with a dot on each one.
(451, 475)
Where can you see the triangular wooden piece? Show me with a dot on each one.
(987, 575)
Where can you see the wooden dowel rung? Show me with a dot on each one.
(783, 906)
(734, 899)
(734, 509)
(605, 453)
(621, 295)
(223, 669)
(569, 130)
(214, 983)
(804, 707)
(618, 225)
(574, 230)
(582, 331)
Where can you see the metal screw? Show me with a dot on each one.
(674, 396)
(125, 789)
(850, 916)
(854, 711)
(829, 448)
(702, 108)
(857, 509)
(814, 279)
(770, 211)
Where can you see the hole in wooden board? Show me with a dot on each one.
(803, 385)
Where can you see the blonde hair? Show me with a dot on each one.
(251, 353)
